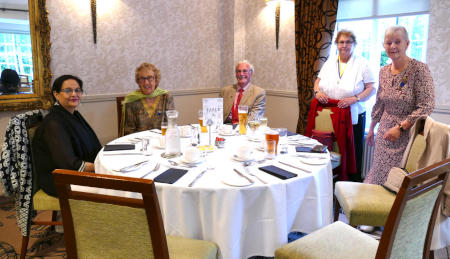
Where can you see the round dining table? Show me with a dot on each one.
(244, 217)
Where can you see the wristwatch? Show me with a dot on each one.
(357, 98)
(401, 127)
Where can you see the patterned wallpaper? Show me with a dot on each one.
(438, 57)
(182, 40)
(195, 45)
(274, 68)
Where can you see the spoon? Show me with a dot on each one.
(178, 164)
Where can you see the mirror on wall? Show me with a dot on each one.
(24, 55)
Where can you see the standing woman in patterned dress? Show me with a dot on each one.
(405, 93)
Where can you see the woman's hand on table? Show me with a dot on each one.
(347, 101)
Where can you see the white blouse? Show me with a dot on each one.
(356, 74)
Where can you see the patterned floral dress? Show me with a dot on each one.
(407, 95)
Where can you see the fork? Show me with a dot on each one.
(247, 170)
(153, 170)
(133, 166)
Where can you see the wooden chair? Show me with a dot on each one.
(407, 233)
(323, 123)
(369, 204)
(41, 200)
(104, 226)
(119, 105)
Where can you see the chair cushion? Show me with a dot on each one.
(180, 247)
(337, 241)
(43, 201)
(364, 204)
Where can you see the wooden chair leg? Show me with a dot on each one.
(337, 208)
(23, 249)
(54, 216)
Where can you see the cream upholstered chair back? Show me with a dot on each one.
(107, 226)
(408, 230)
(407, 233)
(323, 120)
(416, 151)
(104, 226)
(110, 231)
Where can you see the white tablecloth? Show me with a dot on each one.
(243, 221)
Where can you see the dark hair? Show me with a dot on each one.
(10, 81)
(57, 84)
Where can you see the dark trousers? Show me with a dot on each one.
(358, 136)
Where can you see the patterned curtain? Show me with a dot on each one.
(315, 21)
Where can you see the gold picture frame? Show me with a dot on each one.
(40, 42)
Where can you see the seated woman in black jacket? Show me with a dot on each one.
(64, 140)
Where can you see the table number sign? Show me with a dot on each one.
(213, 112)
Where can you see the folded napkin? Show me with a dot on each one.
(170, 176)
(115, 147)
(290, 133)
(277, 172)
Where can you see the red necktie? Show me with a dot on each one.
(234, 111)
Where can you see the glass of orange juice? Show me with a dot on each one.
(163, 127)
(204, 129)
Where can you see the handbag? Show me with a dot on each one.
(395, 179)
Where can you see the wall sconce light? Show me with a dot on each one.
(277, 18)
(94, 19)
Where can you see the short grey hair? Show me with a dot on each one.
(246, 62)
(391, 30)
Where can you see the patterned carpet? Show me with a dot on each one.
(44, 242)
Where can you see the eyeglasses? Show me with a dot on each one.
(348, 42)
(70, 90)
(149, 78)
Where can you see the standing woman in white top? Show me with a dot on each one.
(347, 78)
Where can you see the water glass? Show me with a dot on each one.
(263, 122)
(282, 133)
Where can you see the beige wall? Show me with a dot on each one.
(196, 46)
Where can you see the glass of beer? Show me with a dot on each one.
(243, 113)
(273, 135)
(270, 149)
(204, 129)
(163, 127)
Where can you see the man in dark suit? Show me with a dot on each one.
(243, 93)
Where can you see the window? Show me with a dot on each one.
(16, 54)
(370, 35)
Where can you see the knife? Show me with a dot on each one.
(242, 175)
(293, 166)
(196, 178)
